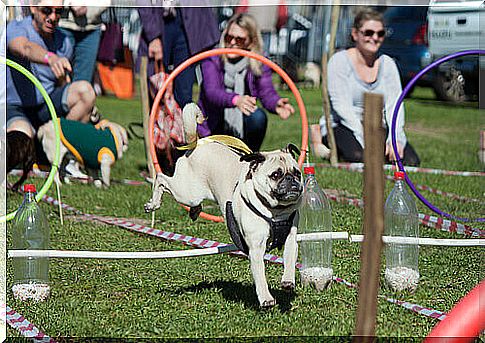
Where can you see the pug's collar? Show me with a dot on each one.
(267, 204)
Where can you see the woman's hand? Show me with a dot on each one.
(246, 104)
(59, 66)
(284, 108)
(390, 152)
(155, 49)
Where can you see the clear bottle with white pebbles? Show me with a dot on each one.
(315, 217)
(401, 221)
(30, 231)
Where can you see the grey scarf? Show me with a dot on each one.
(234, 76)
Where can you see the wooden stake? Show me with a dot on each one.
(145, 105)
(370, 256)
(326, 101)
(59, 201)
(11, 10)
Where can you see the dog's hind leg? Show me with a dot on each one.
(194, 212)
(20, 150)
(26, 168)
(289, 257)
(106, 162)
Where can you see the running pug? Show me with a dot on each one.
(258, 193)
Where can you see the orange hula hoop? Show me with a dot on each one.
(222, 51)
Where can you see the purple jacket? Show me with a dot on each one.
(214, 97)
(199, 24)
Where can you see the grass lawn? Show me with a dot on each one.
(213, 296)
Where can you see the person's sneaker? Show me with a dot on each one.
(95, 116)
(70, 169)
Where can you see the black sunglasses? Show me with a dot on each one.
(48, 10)
(371, 33)
(241, 41)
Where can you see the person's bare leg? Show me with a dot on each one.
(318, 148)
(80, 99)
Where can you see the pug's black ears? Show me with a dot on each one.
(254, 160)
(253, 157)
(293, 150)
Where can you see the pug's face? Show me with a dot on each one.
(276, 177)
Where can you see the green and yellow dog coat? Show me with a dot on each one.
(87, 142)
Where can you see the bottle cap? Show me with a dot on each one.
(309, 170)
(29, 188)
(398, 175)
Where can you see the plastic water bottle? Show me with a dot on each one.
(30, 231)
(315, 217)
(401, 220)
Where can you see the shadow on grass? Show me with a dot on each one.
(243, 293)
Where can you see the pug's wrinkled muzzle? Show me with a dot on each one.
(289, 189)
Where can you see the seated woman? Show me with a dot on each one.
(353, 72)
(232, 84)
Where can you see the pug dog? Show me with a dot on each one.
(258, 193)
(96, 147)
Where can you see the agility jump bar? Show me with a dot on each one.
(232, 248)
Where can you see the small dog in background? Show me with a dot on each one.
(94, 147)
(258, 193)
(20, 153)
(311, 75)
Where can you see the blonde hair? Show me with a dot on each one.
(248, 23)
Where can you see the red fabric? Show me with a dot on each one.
(282, 15)
(168, 126)
(282, 12)
(242, 7)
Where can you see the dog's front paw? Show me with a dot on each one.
(151, 206)
(267, 304)
(288, 285)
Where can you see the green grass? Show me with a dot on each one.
(214, 296)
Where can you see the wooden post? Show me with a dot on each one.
(11, 11)
(326, 101)
(370, 256)
(145, 106)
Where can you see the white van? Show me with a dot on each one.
(456, 26)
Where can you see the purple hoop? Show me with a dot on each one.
(393, 130)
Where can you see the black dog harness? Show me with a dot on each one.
(278, 232)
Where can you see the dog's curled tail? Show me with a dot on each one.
(191, 115)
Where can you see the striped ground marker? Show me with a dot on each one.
(425, 219)
(359, 167)
(445, 194)
(26, 328)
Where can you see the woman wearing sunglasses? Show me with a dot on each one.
(353, 72)
(232, 84)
